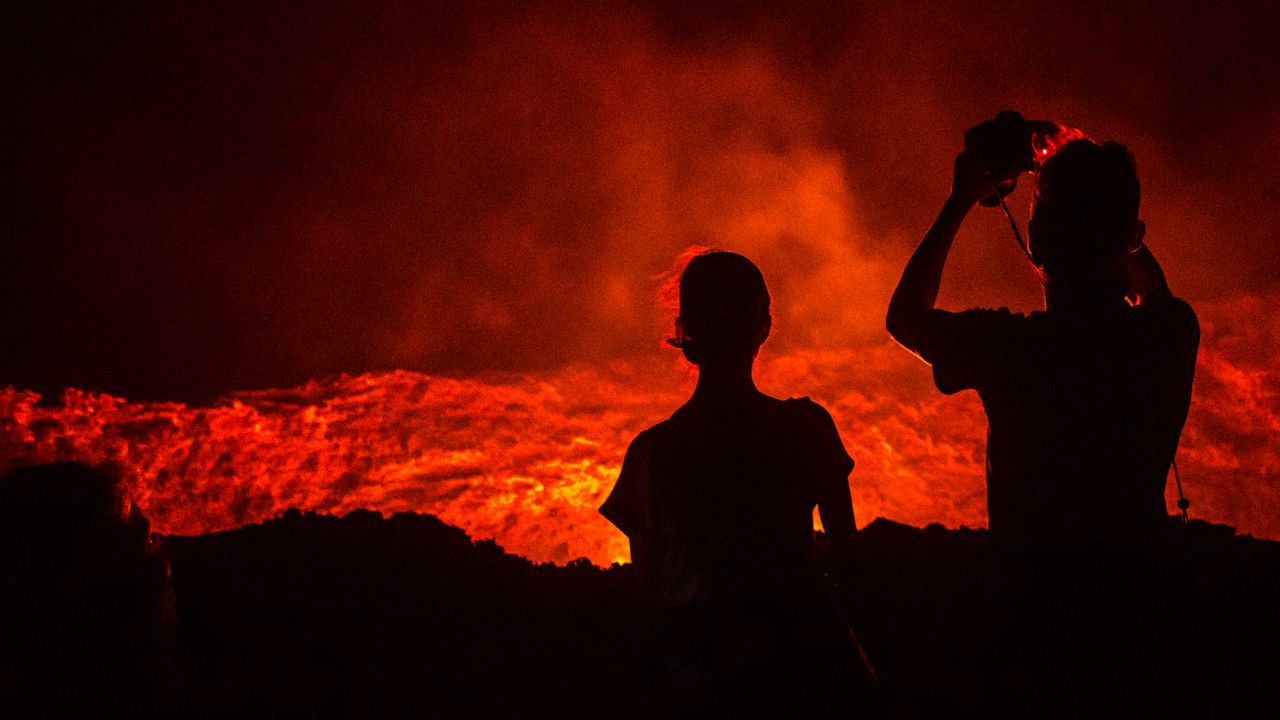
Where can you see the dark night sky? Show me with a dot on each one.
(200, 197)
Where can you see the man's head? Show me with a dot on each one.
(1084, 217)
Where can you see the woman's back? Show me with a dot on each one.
(718, 502)
(727, 490)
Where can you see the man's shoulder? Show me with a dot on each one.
(991, 327)
(999, 314)
(1173, 316)
(968, 349)
(1001, 318)
(1178, 311)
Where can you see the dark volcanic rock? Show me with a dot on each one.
(317, 616)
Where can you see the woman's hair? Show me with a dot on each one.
(724, 305)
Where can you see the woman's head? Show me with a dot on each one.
(724, 309)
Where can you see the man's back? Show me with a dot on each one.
(1084, 410)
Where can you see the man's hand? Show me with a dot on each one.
(970, 181)
(917, 292)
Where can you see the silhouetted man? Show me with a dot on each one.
(1085, 402)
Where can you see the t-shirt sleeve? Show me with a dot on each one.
(967, 349)
(1187, 330)
(628, 504)
(1172, 350)
(835, 460)
(831, 468)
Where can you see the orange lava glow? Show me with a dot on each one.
(527, 459)
(201, 201)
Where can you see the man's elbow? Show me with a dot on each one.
(909, 330)
(901, 326)
(893, 324)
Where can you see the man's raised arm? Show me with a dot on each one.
(910, 308)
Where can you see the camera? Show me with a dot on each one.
(1010, 145)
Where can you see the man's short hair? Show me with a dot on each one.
(1090, 191)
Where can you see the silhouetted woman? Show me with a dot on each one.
(718, 505)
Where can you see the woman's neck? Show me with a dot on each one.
(722, 383)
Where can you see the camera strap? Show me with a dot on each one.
(1022, 245)
(1013, 225)
(1183, 502)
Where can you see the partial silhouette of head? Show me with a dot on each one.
(68, 510)
(724, 310)
(1084, 216)
(85, 594)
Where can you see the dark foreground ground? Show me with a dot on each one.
(316, 616)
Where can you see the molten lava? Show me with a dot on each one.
(526, 460)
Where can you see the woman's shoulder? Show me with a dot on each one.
(645, 438)
(807, 409)
(821, 437)
(655, 436)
